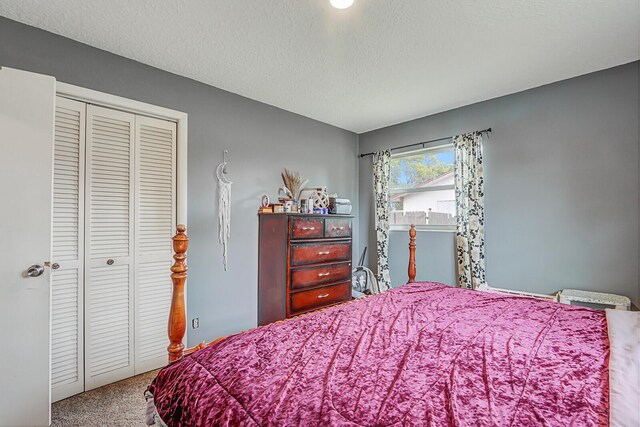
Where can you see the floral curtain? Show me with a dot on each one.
(469, 185)
(381, 170)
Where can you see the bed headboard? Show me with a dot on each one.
(177, 315)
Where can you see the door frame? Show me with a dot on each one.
(115, 102)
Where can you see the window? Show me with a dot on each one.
(422, 189)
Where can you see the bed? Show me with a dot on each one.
(424, 354)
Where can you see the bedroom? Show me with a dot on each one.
(557, 83)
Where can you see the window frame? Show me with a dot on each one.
(435, 148)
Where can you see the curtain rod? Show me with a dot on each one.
(421, 143)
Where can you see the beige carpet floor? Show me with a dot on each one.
(117, 404)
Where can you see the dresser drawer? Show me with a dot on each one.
(307, 228)
(313, 253)
(316, 298)
(313, 276)
(337, 227)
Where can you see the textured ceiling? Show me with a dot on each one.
(378, 63)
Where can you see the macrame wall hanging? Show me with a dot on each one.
(224, 206)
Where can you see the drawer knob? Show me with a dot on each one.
(308, 228)
(323, 296)
(338, 228)
(323, 274)
(324, 253)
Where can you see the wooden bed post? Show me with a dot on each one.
(177, 315)
(412, 254)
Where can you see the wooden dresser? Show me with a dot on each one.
(304, 263)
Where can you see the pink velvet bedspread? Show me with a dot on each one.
(424, 354)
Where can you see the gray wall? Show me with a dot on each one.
(261, 140)
(561, 184)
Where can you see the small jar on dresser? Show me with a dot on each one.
(304, 263)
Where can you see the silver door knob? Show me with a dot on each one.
(35, 270)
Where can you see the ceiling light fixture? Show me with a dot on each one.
(341, 4)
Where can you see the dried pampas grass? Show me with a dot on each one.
(293, 182)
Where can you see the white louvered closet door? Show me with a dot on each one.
(67, 361)
(109, 218)
(155, 219)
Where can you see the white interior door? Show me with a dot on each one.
(67, 271)
(27, 103)
(155, 219)
(109, 219)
